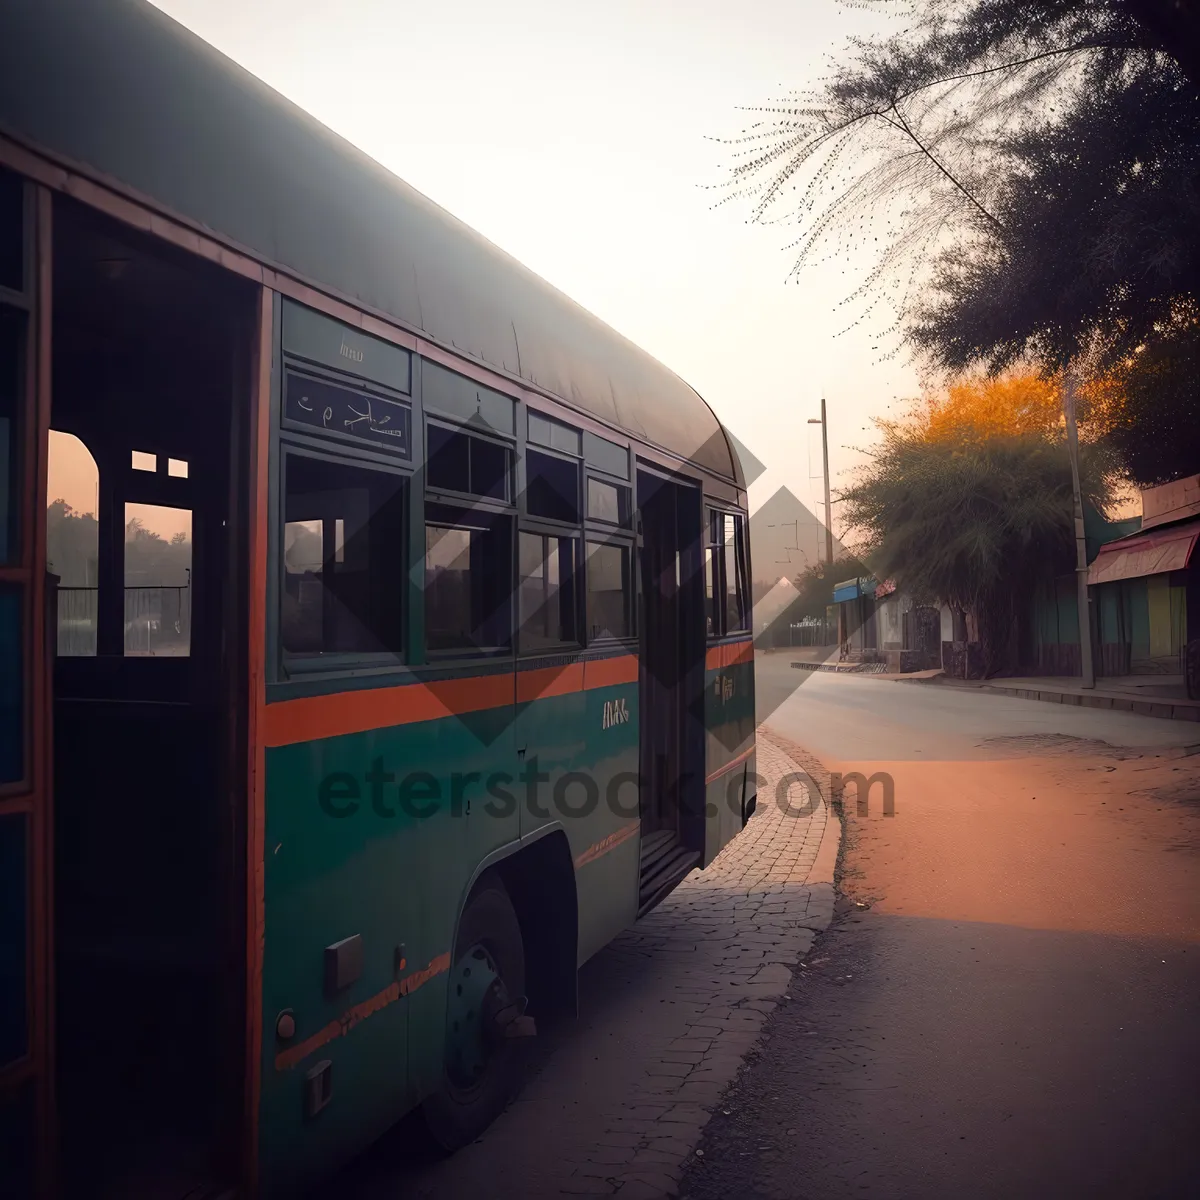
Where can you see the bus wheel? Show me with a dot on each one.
(486, 995)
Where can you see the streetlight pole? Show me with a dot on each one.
(1081, 565)
(825, 461)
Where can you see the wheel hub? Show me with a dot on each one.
(477, 994)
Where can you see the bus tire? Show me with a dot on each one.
(487, 976)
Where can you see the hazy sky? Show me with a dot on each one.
(573, 133)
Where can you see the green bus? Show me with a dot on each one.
(374, 632)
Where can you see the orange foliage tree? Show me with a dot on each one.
(1017, 404)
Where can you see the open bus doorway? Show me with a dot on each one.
(672, 643)
(146, 550)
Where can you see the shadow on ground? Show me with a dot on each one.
(932, 1058)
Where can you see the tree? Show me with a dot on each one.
(816, 582)
(152, 561)
(1024, 179)
(1096, 258)
(1154, 423)
(72, 544)
(1008, 405)
(971, 517)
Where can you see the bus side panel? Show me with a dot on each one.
(345, 858)
(730, 762)
(606, 846)
(584, 747)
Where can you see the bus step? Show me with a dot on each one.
(664, 865)
(655, 847)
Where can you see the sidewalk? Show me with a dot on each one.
(1151, 695)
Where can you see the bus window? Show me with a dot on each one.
(462, 462)
(343, 579)
(607, 502)
(710, 594)
(609, 591)
(158, 580)
(551, 487)
(735, 587)
(73, 541)
(714, 607)
(468, 573)
(545, 431)
(546, 590)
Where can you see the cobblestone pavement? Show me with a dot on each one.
(668, 1012)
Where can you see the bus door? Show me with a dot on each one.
(671, 636)
(24, 762)
(143, 505)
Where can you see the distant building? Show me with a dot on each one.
(879, 623)
(1145, 592)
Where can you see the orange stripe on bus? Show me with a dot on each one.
(739, 652)
(726, 767)
(290, 721)
(604, 845)
(729, 654)
(549, 681)
(304, 720)
(286, 1059)
(608, 672)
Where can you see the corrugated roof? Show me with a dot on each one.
(119, 87)
(1148, 552)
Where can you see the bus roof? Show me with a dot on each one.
(119, 87)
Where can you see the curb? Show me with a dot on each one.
(1167, 709)
(824, 868)
(843, 668)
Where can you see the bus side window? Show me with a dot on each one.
(468, 580)
(547, 564)
(609, 591)
(158, 580)
(73, 541)
(737, 607)
(713, 591)
(343, 580)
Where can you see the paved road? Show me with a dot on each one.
(1017, 1013)
(856, 717)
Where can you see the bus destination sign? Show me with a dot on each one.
(340, 410)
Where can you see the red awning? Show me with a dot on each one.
(1152, 553)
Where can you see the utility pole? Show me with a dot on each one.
(1081, 566)
(825, 459)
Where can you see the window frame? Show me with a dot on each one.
(438, 495)
(625, 527)
(466, 506)
(562, 456)
(544, 530)
(715, 544)
(609, 537)
(291, 667)
(553, 420)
